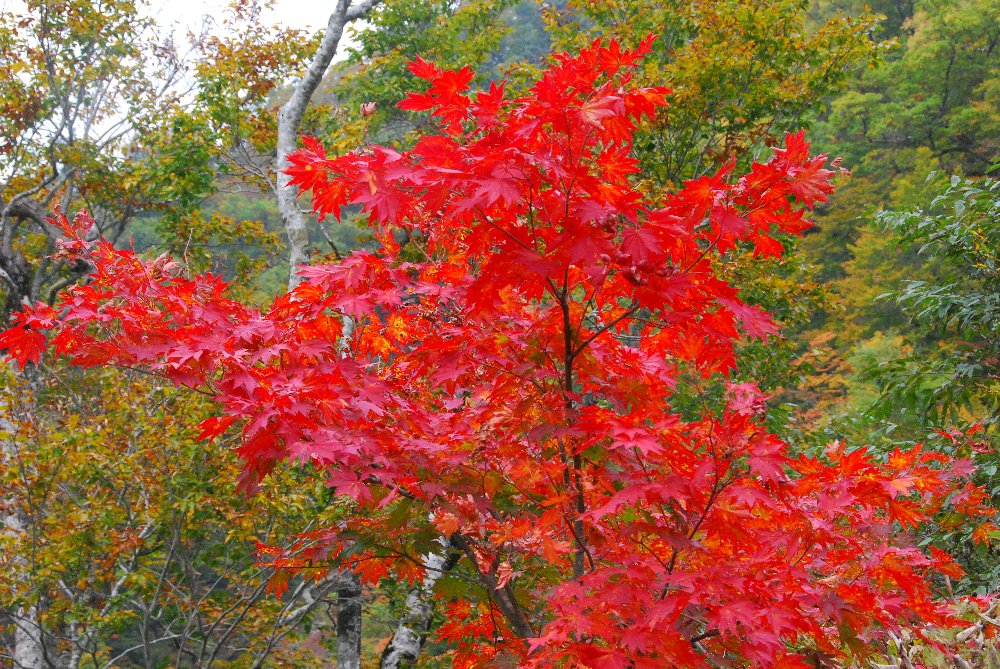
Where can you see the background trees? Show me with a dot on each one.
(927, 108)
(98, 112)
(137, 549)
(952, 376)
(80, 79)
(102, 111)
(742, 74)
(507, 382)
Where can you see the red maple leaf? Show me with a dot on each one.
(507, 379)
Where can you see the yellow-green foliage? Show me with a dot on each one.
(135, 527)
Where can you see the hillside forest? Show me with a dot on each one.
(615, 334)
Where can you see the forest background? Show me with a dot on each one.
(126, 541)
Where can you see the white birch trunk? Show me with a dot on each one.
(290, 118)
(296, 228)
(28, 651)
(404, 648)
(349, 622)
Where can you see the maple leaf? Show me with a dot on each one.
(768, 459)
(755, 321)
(212, 427)
(306, 166)
(488, 103)
(745, 398)
(593, 111)
(23, 344)
(729, 223)
(447, 523)
(443, 97)
(806, 176)
(513, 377)
(984, 533)
(946, 564)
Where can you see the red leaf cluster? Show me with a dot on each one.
(507, 380)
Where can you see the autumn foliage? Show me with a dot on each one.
(500, 372)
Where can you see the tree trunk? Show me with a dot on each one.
(28, 651)
(403, 650)
(349, 622)
(296, 228)
(290, 117)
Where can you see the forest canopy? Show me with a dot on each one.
(495, 333)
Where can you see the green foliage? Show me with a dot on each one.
(239, 76)
(451, 34)
(137, 530)
(525, 42)
(953, 376)
(940, 91)
(742, 71)
(95, 116)
(934, 104)
(79, 80)
(929, 106)
(918, 344)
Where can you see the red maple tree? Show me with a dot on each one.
(500, 372)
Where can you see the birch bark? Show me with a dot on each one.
(28, 651)
(290, 118)
(296, 228)
(404, 648)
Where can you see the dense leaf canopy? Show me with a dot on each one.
(500, 370)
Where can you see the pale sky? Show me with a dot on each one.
(310, 15)
(187, 15)
(306, 14)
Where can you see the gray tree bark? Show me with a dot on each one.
(296, 228)
(28, 650)
(349, 622)
(290, 118)
(407, 641)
